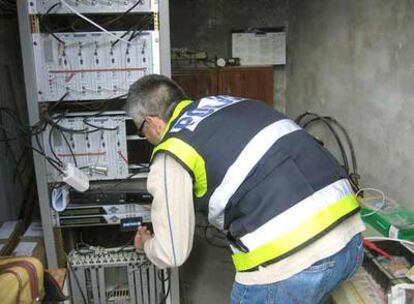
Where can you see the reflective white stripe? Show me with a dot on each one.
(247, 159)
(297, 214)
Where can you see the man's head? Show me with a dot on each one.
(151, 101)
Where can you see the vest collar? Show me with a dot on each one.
(178, 110)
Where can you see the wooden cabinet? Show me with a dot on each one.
(197, 83)
(254, 83)
(250, 82)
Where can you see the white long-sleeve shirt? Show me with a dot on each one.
(172, 213)
(173, 218)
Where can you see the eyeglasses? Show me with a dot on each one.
(141, 128)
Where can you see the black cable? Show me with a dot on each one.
(146, 20)
(69, 147)
(123, 14)
(51, 161)
(39, 143)
(24, 132)
(122, 36)
(6, 138)
(337, 138)
(137, 31)
(98, 127)
(43, 127)
(61, 99)
(19, 162)
(29, 132)
(106, 104)
(52, 150)
(160, 276)
(126, 244)
(349, 142)
(12, 114)
(167, 293)
(353, 176)
(8, 7)
(120, 182)
(85, 130)
(10, 150)
(46, 26)
(67, 130)
(38, 127)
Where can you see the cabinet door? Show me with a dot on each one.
(254, 83)
(197, 83)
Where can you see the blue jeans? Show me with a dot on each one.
(312, 285)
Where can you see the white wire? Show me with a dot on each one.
(376, 209)
(93, 23)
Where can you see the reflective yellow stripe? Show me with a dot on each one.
(177, 111)
(304, 232)
(189, 156)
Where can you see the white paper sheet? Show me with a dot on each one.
(259, 48)
(7, 228)
(24, 249)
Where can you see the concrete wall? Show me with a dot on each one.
(207, 24)
(354, 60)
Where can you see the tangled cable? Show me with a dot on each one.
(308, 119)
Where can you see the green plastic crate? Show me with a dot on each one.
(391, 221)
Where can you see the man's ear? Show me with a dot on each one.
(156, 123)
(151, 119)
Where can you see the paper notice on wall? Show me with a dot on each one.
(1, 246)
(260, 48)
(7, 228)
(24, 249)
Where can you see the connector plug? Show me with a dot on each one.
(75, 178)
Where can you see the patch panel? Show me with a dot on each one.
(92, 6)
(105, 147)
(96, 145)
(92, 65)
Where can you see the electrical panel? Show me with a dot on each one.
(104, 146)
(92, 6)
(118, 275)
(92, 65)
(94, 144)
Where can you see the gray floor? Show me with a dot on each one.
(208, 274)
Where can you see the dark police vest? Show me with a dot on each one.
(258, 175)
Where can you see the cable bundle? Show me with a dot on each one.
(308, 119)
(8, 6)
(32, 132)
(135, 29)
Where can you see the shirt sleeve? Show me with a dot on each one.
(172, 213)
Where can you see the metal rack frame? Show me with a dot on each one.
(24, 20)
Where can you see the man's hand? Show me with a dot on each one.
(143, 234)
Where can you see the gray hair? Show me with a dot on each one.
(153, 95)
